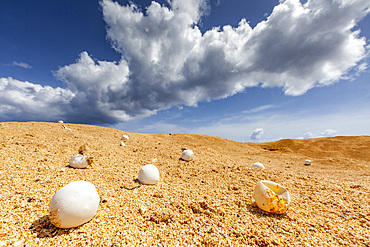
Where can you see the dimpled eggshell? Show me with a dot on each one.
(271, 197)
(148, 174)
(74, 204)
(78, 161)
(187, 155)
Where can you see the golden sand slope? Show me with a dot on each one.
(204, 202)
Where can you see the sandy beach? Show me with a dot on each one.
(204, 202)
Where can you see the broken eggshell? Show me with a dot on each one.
(74, 204)
(271, 197)
(259, 165)
(187, 155)
(148, 174)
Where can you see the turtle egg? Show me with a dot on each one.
(78, 161)
(271, 197)
(74, 204)
(307, 162)
(148, 174)
(125, 138)
(259, 165)
(187, 155)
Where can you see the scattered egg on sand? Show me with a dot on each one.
(259, 165)
(307, 162)
(79, 161)
(60, 121)
(187, 155)
(122, 144)
(65, 127)
(125, 138)
(148, 174)
(74, 204)
(271, 197)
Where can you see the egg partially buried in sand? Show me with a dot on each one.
(259, 165)
(74, 204)
(271, 197)
(148, 174)
(187, 155)
(79, 161)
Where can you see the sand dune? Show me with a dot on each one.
(204, 202)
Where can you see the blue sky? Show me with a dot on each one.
(242, 70)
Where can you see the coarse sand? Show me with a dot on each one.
(205, 202)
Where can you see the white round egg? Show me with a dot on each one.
(259, 165)
(271, 197)
(307, 162)
(74, 204)
(125, 137)
(187, 155)
(78, 161)
(148, 174)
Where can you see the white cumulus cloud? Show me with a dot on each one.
(25, 101)
(328, 133)
(167, 61)
(325, 133)
(257, 134)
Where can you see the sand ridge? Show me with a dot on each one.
(204, 202)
